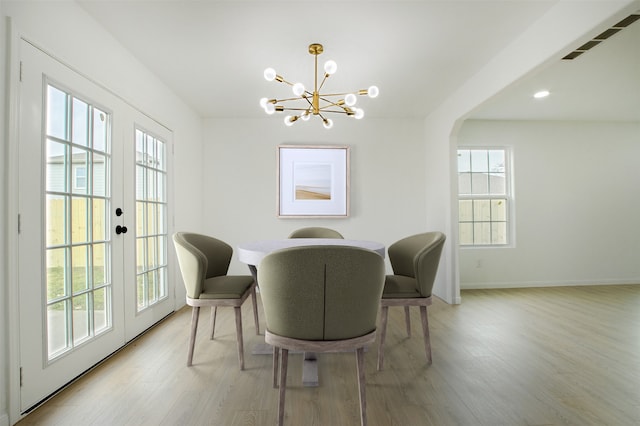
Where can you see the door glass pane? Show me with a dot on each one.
(99, 174)
(57, 333)
(80, 318)
(101, 307)
(151, 227)
(57, 113)
(77, 246)
(56, 280)
(80, 130)
(79, 268)
(79, 225)
(100, 130)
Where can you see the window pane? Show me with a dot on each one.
(482, 233)
(100, 127)
(99, 177)
(80, 318)
(464, 161)
(79, 279)
(497, 184)
(80, 161)
(479, 183)
(479, 161)
(99, 219)
(101, 309)
(466, 233)
(499, 210)
(140, 182)
(162, 282)
(152, 287)
(79, 211)
(57, 110)
(80, 124)
(140, 254)
(141, 222)
(496, 161)
(56, 271)
(56, 166)
(152, 223)
(464, 183)
(140, 292)
(465, 210)
(499, 233)
(481, 210)
(99, 265)
(57, 328)
(162, 224)
(56, 224)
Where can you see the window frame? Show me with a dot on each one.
(508, 195)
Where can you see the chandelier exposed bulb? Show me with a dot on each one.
(298, 89)
(330, 67)
(314, 102)
(270, 74)
(350, 99)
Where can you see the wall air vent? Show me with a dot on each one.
(603, 36)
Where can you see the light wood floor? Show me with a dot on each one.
(548, 356)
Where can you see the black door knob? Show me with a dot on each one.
(121, 229)
(119, 211)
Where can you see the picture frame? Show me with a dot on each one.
(313, 181)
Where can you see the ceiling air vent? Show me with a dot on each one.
(603, 36)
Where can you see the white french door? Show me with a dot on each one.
(93, 238)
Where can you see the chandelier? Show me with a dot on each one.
(308, 103)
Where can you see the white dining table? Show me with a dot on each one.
(253, 252)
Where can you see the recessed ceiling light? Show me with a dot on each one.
(541, 94)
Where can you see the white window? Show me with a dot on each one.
(80, 177)
(484, 197)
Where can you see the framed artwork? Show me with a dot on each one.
(313, 181)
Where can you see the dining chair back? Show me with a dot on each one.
(315, 232)
(320, 299)
(204, 263)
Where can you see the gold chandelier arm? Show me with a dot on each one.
(326, 76)
(290, 99)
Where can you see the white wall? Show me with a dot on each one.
(66, 31)
(576, 212)
(387, 178)
(564, 26)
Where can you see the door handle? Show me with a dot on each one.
(119, 212)
(121, 229)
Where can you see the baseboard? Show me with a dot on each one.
(528, 284)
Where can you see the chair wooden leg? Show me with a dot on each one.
(195, 314)
(384, 313)
(276, 365)
(254, 300)
(425, 331)
(283, 385)
(239, 336)
(407, 320)
(214, 312)
(362, 386)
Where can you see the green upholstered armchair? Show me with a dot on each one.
(315, 232)
(414, 260)
(204, 262)
(320, 299)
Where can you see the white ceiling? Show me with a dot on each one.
(213, 53)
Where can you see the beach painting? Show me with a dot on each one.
(312, 181)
